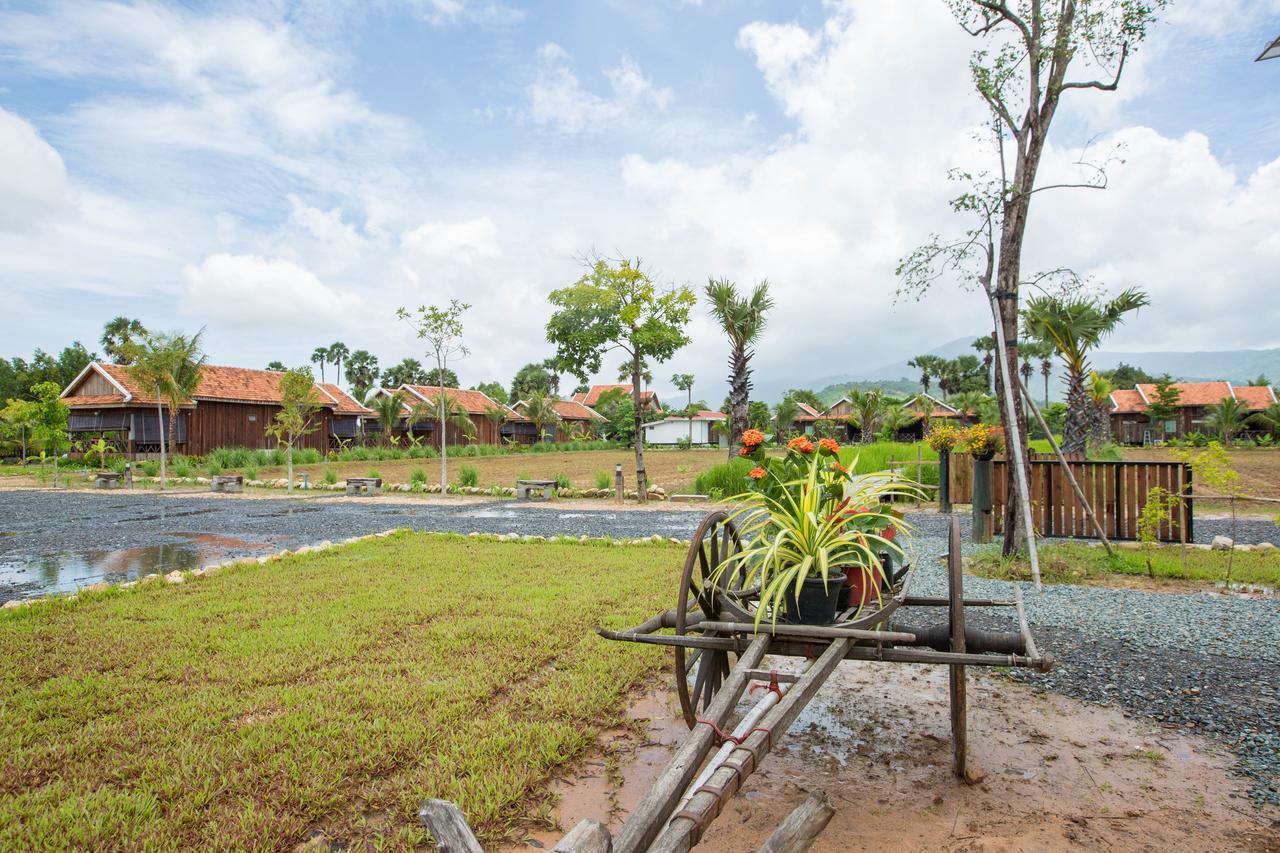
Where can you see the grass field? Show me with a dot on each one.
(334, 690)
(674, 470)
(1083, 564)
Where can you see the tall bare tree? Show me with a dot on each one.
(441, 328)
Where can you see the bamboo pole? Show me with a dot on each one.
(1015, 445)
(1066, 466)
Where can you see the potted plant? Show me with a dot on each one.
(943, 438)
(812, 530)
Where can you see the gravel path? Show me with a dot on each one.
(1204, 662)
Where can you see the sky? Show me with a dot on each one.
(287, 174)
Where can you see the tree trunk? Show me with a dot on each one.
(642, 482)
(288, 457)
(1007, 287)
(1075, 427)
(739, 393)
(160, 429)
(690, 411)
(173, 432)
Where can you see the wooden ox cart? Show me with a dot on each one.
(719, 651)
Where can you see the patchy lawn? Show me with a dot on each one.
(328, 691)
(1088, 565)
(674, 470)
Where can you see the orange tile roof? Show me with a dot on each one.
(590, 398)
(1254, 398)
(87, 400)
(473, 402)
(574, 411)
(217, 384)
(347, 404)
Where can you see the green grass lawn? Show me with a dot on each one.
(1083, 564)
(332, 690)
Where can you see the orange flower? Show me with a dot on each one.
(745, 451)
(836, 466)
(829, 444)
(752, 438)
(758, 473)
(801, 444)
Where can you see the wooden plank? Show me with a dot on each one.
(797, 833)
(1113, 495)
(588, 836)
(958, 679)
(448, 827)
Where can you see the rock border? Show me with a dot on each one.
(655, 492)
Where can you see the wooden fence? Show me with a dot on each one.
(1117, 491)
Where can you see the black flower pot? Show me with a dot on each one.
(817, 602)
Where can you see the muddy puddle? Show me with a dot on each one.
(1050, 773)
(46, 574)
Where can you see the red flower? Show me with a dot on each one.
(758, 473)
(829, 444)
(752, 438)
(890, 532)
(801, 444)
(745, 451)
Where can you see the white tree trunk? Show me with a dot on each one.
(160, 424)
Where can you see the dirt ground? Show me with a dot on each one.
(1259, 476)
(1056, 774)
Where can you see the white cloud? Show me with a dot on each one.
(456, 242)
(558, 98)
(252, 292)
(33, 179)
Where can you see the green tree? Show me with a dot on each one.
(1226, 418)
(1260, 381)
(535, 378)
(276, 367)
(1127, 376)
(868, 406)
(618, 306)
(541, 409)
(1073, 326)
(320, 356)
(20, 417)
(338, 353)
(1164, 405)
(743, 319)
(1099, 392)
(895, 416)
(299, 404)
(387, 409)
(494, 391)
(362, 373)
(50, 415)
(618, 408)
(930, 367)
(408, 372)
(684, 382)
(445, 378)
(758, 415)
(784, 415)
(117, 336)
(986, 346)
(171, 363)
(441, 330)
(808, 397)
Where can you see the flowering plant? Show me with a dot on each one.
(943, 437)
(983, 440)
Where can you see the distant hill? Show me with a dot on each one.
(1238, 366)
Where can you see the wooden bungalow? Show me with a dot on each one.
(478, 406)
(648, 399)
(573, 419)
(232, 407)
(922, 407)
(1132, 424)
(347, 425)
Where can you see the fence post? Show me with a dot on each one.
(944, 481)
(617, 481)
(982, 519)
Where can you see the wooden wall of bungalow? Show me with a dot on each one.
(486, 432)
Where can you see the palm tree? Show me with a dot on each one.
(1271, 414)
(387, 409)
(868, 406)
(1226, 417)
(1073, 326)
(895, 417)
(172, 364)
(987, 346)
(1100, 389)
(784, 415)
(684, 382)
(969, 403)
(319, 356)
(118, 335)
(541, 409)
(338, 353)
(451, 413)
(743, 319)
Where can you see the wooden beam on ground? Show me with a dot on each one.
(802, 826)
(1066, 466)
(448, 827)
(648, 818)
(688, 825)
(589, 836)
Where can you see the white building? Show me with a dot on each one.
(706, 428)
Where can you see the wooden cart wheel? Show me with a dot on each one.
(955, 608)
(700, 672)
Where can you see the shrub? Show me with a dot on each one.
(250, 473)
(468, 476)
(418, 477)
(182, 467)
(562, 482)
(330, 476)
(604, 480)
(150, 467)
(373, 472)
(684, 442)
(214, 468)
(728, 478)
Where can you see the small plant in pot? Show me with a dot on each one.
(810, 529)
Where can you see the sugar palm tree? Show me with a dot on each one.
(1073, 326)
(868, 406)
(118, 335)
(541, 409)
(684, 382)
(1226, 418)
(930, 367)
(987, 346)
(338, 353)
(319, 356)
(743, 319)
